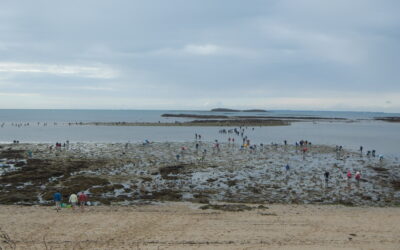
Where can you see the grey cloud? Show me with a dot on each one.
(203, 49)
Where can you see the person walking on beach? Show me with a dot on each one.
(73, 199)
(287, 167)
(82, 198)
(57, 197)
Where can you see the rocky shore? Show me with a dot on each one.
(133, 173)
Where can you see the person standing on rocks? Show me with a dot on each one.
(326, 175)
(203, 157)
(57, 199)
(73, 199)
(304, 153)
(349, 175)
(358, 176)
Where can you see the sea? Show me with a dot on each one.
(52, 125)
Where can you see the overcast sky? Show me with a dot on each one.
(200, 54)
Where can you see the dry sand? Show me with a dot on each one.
(185, 226)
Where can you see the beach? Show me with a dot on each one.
(198, 195)
(200, 125)
(186, 226)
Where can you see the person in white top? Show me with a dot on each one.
(73, 199)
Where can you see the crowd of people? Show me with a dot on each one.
(302, 146)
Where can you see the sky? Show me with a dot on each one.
(190, 54)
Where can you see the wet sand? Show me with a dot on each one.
(185, 226)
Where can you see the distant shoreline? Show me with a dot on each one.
(196, 123)
(252, 117)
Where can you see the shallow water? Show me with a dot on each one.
(65, 115)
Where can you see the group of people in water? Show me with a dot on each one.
(27, 124)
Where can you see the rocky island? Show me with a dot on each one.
(236, 110)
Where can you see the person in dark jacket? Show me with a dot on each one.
(57, 197)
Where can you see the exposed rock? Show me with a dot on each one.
(227, 207)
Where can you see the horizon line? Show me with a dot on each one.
(202, 110)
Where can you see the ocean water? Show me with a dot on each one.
(66, 115)
(381, 136)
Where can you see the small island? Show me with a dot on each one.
(224, 110)
(236, 110)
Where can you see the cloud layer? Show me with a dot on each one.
(286, 54)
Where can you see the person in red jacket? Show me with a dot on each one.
(349, 175)
(82, 198)
(358, 176)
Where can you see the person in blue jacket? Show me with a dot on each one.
(57, 197)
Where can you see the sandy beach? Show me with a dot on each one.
(185, 226)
